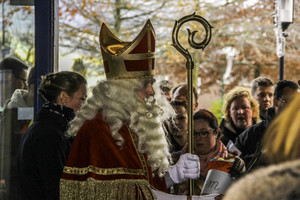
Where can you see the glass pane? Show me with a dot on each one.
(16, 102)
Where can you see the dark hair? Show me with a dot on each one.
(283, 84)
(165, 85)
(185, 85)
(179, 103)
(260, 81)
(31, 76)
(209, 117)
(54, 83)
(14, 64)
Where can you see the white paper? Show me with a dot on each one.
(25, 113)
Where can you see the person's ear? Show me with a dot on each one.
(62, 98)
(196, 106)
(275, 102)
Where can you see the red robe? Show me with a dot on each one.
(99, 169)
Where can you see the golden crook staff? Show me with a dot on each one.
(190, 67)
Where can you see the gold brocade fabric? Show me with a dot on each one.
(102, 171)
(92, 189)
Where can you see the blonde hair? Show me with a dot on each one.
(239, 91)
(281, 141)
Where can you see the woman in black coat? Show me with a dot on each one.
(44, 147)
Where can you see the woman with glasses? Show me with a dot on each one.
(209, 148)
(206, 139)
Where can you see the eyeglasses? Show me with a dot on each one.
(282, 100)
(203, 134)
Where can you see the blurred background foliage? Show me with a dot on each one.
(243, 44)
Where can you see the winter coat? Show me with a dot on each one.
(229, 131)
(249, 141)
(43, 151)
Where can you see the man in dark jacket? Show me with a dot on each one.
(262, 90)
(249, 142)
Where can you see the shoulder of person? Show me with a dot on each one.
(254, 129)
(271, 182)
(43, 129)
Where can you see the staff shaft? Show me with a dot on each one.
(190, 120)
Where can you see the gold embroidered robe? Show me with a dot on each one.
(97, 168)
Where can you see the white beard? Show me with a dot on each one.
(120, 104)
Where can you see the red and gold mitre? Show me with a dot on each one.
(128, 60)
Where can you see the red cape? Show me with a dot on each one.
(97, 166)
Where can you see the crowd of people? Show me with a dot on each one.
(128, 139)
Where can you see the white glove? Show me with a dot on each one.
(187, 167)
